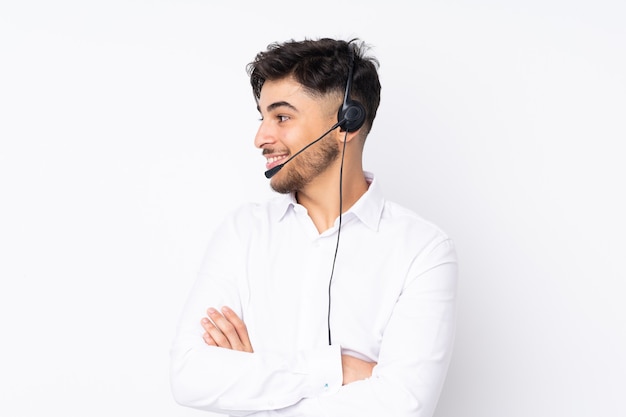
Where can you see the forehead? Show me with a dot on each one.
(289, 93)
(284, 89)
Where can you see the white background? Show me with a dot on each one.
(126, 132)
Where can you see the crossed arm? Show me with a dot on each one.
(221, 372)
(226, 330)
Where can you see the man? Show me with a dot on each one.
(327, 300)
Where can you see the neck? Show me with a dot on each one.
(321, 196)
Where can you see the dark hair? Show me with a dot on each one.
(322, 67)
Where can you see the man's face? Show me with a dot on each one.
(291, 119)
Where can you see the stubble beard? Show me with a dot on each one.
(305, 167)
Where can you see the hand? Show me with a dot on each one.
(225, 330)
(355, 369)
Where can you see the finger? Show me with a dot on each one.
(215, 333)
(208, 339)
(226, 328)
(240, 327)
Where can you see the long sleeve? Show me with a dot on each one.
(238, 383)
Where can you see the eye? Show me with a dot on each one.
(281, 118)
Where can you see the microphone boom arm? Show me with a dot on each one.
(271, 172)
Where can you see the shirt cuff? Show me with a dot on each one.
(325, 370)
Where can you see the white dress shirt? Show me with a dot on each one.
(392, 302)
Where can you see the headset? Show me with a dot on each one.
(350, 118)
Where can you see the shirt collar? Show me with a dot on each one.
(368, 209)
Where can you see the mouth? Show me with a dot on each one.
(274, 160)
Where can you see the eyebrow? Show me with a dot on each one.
(278, 104)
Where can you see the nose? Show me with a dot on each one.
(264, 136)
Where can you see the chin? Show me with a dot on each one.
(279, 186)
(287, 182)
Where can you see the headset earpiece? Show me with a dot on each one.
(351, 115)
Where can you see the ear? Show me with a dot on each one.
(347, 136)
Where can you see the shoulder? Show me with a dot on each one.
(253, 216)
(411, 228)
(404, 216)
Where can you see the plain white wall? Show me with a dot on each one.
(126, 133)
